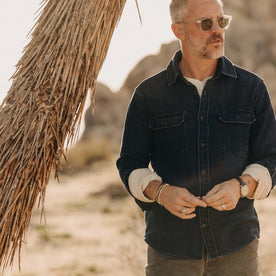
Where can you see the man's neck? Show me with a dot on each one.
(198, 68)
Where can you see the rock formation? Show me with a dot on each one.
(108, 118)
(149, 66)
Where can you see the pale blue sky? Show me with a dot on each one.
(130, 42)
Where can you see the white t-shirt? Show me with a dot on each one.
(198, 84)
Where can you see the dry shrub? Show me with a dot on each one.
(114, 190)
(86, 153)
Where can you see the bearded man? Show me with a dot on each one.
(208, 129)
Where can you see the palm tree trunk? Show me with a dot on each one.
(43, 107)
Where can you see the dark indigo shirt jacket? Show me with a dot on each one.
(197, 142)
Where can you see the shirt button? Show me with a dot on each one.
(203, 171)
(201, 117)
(202, 145)
(203, 225)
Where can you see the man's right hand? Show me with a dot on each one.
(179, 201)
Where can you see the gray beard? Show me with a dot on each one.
(205, 54)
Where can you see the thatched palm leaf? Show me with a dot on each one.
(44, 105)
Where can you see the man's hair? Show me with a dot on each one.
(177, 9)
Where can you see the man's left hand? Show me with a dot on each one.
(224, 196)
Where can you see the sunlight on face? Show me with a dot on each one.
(204, 44)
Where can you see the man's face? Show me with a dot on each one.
(204, 44)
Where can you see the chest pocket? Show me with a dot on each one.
(234, 131)
(169, 135)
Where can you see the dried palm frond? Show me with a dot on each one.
(43, 107)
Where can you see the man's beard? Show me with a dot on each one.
(205, 52)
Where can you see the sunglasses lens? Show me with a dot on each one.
(224, 22)
(206, 24)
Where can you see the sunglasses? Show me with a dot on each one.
(206, 23)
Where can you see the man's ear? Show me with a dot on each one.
(178, 31)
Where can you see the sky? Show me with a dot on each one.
(131, 41)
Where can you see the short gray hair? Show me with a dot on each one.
(177, 9)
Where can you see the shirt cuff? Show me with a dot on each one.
(262, 176)
(138, 182)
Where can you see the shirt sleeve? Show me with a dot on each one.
(136, 142)
(139, 180)
(260, 174)
(263, 135)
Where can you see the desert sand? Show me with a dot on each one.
(94, 228)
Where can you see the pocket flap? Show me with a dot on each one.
(241, 117)
(167, 121)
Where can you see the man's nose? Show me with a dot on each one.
(216, 28)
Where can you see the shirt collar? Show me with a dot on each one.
(173, 70)
(224, 66)
(227, 67)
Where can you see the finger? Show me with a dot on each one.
(193, 201)
(190, 216)
(227, 206)
(213, 191)
(213, 198)
(218, 203)
(186, 210)
(221, 207)
(186, 203)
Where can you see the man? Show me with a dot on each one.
(208, 129)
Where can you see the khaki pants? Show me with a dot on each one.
(241, 263)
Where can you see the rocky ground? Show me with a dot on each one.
(94, 228)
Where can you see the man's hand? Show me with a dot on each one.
(224, 196)
(179, 201)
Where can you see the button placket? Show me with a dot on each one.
(204, 172)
